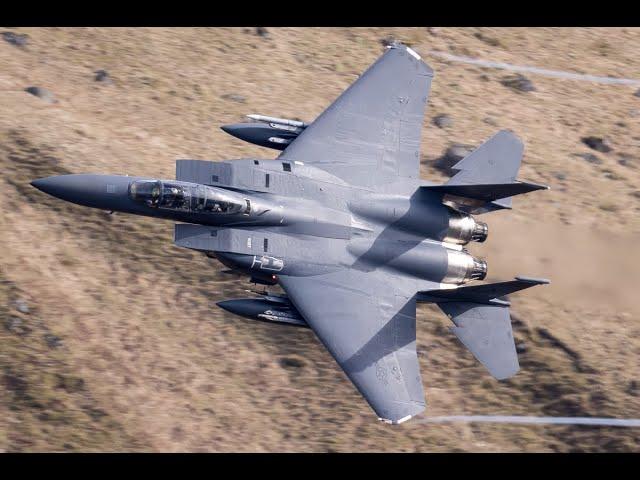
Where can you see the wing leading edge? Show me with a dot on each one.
(371, 333)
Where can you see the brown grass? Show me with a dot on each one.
(147, 362)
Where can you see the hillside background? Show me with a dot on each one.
(109, 335)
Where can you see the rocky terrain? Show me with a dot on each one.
(110, 339)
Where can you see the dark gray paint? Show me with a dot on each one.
(260, 134)
(265, 309)
(352, 234)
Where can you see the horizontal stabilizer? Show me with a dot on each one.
(486, 192)
(488, 293)
(486, 331)
(486, 178)
(482, 320)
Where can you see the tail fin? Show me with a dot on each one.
(482, 321)
(486, 331)
(497, 160)
(486, 178)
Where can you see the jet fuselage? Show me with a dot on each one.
(403, 229)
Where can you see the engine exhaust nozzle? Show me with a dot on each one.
(479, 269)
(464, 228)
(480, 232)
(463, 268)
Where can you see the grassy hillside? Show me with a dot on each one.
(110, 339)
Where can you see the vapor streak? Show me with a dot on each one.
(536, 70)
(604, 422)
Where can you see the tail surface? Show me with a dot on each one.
(486, 178)
(496, 161)
(483, 322)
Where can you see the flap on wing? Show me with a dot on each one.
(486, 331)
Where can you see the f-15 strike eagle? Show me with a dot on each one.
(342, 222)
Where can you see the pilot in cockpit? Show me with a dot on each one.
(147, 192)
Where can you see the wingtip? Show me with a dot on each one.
(395, 422)
(505, 375)
(404, 419)
(533, 280)
(401, 46)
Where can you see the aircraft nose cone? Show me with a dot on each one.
(100, 191)
(48, 185)
(66, 187)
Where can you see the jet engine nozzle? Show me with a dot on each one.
(479, 269)
(464, 228)
(480, 232)
(463, 268)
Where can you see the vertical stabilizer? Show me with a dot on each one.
(495, 161)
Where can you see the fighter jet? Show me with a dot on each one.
(343, 223)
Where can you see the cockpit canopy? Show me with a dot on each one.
(193, 198)
(145, 191)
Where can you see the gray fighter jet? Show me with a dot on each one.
(343, 223)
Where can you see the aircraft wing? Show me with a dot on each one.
(370, 329)
(371, 133)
